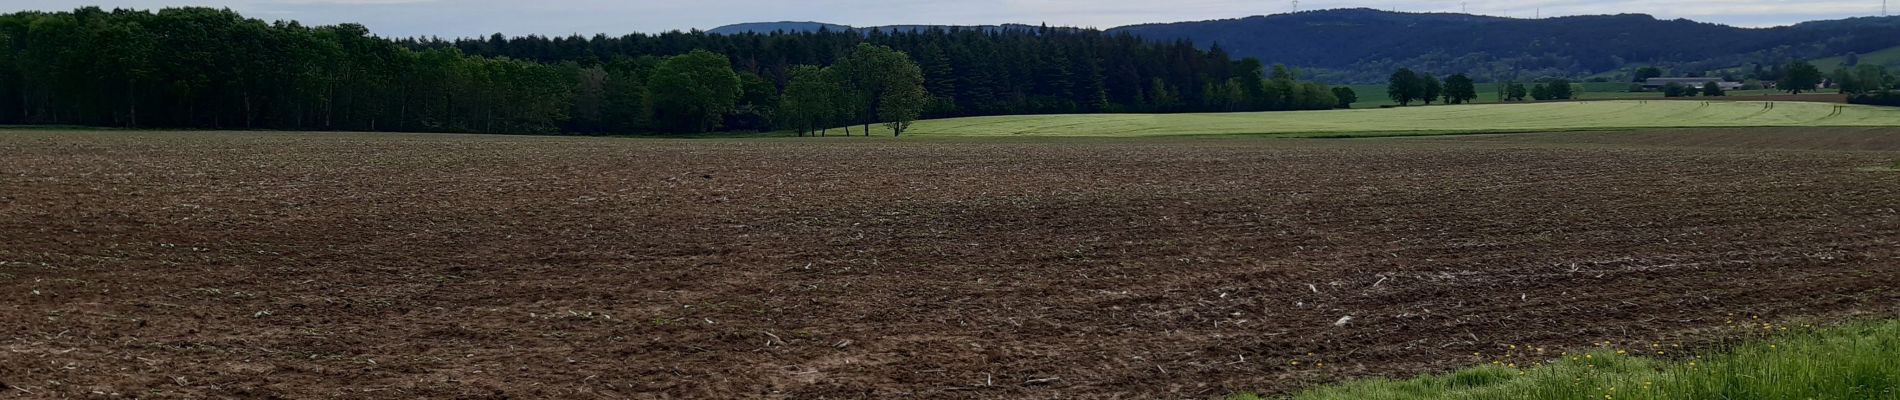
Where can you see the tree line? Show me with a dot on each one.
(215, 69)
(1406, 86)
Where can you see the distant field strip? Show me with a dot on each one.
(1597, 115)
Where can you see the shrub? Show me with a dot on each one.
(1889, 99)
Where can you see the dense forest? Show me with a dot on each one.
(1363, 45)
(215, 69)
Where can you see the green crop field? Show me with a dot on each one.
(1481, 118)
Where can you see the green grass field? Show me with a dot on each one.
(1890, 56)
(1853, 362)
(1481, 118)
(1887, 57)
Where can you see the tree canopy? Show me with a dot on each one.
(693, 92)
(215, 69)
(1405, 86)
(1431, 89)
(1800, 76)
(1460, 89)
(1346, 97)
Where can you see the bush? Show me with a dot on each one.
(1674, 90)
(1889, 99)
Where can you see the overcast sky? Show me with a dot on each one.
(560, 17)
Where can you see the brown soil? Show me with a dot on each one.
(265, 265)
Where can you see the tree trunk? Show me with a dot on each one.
(329, 109)
(247, 110)
(448, 111)
(133, 93)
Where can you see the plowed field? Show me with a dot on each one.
(261, 265)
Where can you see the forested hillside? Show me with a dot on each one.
(209, 68)
(1362, 45)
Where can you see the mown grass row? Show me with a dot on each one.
(1860, 361)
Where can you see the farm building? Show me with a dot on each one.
(1658, 83)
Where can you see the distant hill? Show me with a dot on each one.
(1362, 45)
(769, 27)
(804, 27)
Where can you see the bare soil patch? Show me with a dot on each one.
(263, 265)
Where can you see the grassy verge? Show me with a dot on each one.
(1860, 361)
(1482, 118)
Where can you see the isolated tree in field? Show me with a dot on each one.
(692, 92)
(1643, 74)
(1345, 96)
(875, 75)
(1800, 76)
(1460, 89)
(1713, 89)
(1404, 86)
(1430, 89)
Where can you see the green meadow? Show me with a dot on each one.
(1849, 362)
(1479, 118)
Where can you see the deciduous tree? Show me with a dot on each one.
(1800, 76)
(1405, 86)
(1460, 89)
(693, 92)
(1346, 97)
